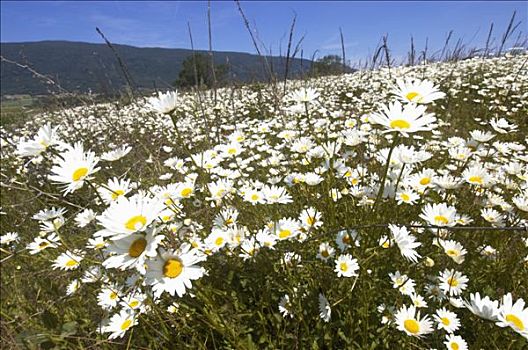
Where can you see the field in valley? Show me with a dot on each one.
(381, 209)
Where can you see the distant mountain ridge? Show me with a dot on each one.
(83, 67)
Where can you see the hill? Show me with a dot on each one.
(83, 67)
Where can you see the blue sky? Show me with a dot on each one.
(164, 24)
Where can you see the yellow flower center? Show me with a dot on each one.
(219, 241)
(43, 244)
(137, 247)
(343, 266)
(229, 221)
(445, 321)
(186, 192)
(310, 220)
(386, 244)
(254, 197)
(452, 252)
(516, 321)
(172, 268)
(400, 124)
(405, 197)
(79, 174)
(452, 281)
(134, 303)
(113, 295)
(232, 151)
(425, 181)
(454, 346)
(412, 95)
(284, 233)
(441, 219)
(126, 324)
(136, 223)
(117, 193)
(475, 180)
(325, 253)
(412, 326)
(71, 263)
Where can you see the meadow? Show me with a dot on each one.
(382, 209)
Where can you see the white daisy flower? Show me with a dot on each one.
(408, 321)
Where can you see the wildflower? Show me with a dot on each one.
(325, 251)
(404, 284)
(439, 214)
(128, 215)
(447, 320)
(513, 315)
(455, 342)
(404, 119)
(73, 167)
(120, 323)
(85, 217)
(452, 282)
(454, 250)
(417, 91)
(173, 271)
(406, 242)
(346, 266)
(304, 95)
(132, 251)
(9, 238)
(325, 311)
(114, 189)
(483, 307)
(39, 244)
(68, 260)
(46, 136)
(116, 154)
(408, 321)
(285, 306)
(165, 103)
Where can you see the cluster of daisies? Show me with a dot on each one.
(229, 188)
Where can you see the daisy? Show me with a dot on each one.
(132, 251)
(492, 216)
(254, 196)
(9, 238)
(114, 189)
(325, 251)
(406, 242)
(266, 239)
(513, 315)
(408, 321)
(404, 119)
(109, 296)
(481, 136)
(85, 217)
(73, 286)
(502, 126)
(216, 240)
(39, 244)
(46, 136)
(325, 311)
(68, 260)
(49, 214)
(404, 284)
(287, 228)
(477, 175)
(483, 307)
(454, 250)
(345, 238)
(73, 167)
(418, 300)
(120, 323)
(439, 214)
(447, 320)
(310, 219)
(407, 196)
(346, 266)
(304, 95)
(417, 91)
(173, 271)
(116, 154)
(285, 306)
(128, 215)
(165, 103)
(452, 282)
(455, 342)
(96, 243)
(276, 194)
